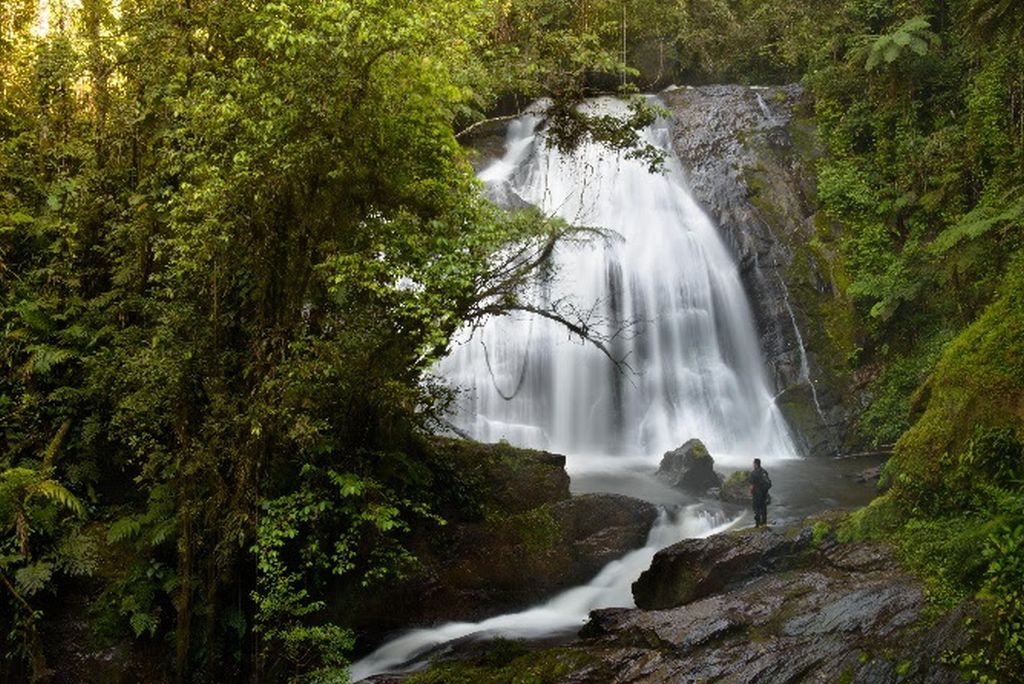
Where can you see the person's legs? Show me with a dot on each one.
(760, 511)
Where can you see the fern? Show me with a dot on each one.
(163, 531)
(34, 577)
(914, 35)
(143, 623)
(46, 357)
(78, 555)
(124, 529)
(57, 493)
(33, 315)
(978, 222)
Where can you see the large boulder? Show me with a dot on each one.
(694, 568)
(530, 541)
(599, 528)
(689, 467)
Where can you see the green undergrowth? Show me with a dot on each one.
(954, 508)
(537, 529)
(954, 505)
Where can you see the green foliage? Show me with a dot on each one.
(914, 36)
(1004, 588)
(505, 663)
(39, 536)
(889, 415)
(335, 524)
(537, 529)
(233, 238)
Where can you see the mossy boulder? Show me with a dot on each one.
(736, 488)
(689, 467)
(516, 537)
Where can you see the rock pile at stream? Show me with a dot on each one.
(762, 606)
(767, 606)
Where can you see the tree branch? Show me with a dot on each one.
(580, 329)
(494, 119)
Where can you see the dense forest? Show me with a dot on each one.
(235, 236)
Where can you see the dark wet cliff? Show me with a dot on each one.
(749, 153)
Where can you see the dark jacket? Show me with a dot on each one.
(760, 483)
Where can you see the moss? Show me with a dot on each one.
(700, 452)
(536, 528)
(542, 667)
(819, 530)
(757, 634)
(498, 478)
(979, 380)
(877, 520)
(803, 132)
(737, 479)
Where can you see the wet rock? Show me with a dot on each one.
(694, 568)
(870, 474)
(794, 611)
(736, 488)
(599, 528)
(814, 623)
(524, 479)
(689, 467)
(749, 155)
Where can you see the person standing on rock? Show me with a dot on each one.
(760, 483)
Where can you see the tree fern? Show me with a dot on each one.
(914, 35)
(78, 554)
(980, 221)
(124, 529)
(46, 357)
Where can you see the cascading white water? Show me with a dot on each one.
(670, 283)
(566, 611)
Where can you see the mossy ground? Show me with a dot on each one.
(955, 504)
(508, 662)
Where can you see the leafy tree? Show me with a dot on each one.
(232, 239)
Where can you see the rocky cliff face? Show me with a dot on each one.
(749, 154)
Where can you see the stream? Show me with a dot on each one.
(666, 293)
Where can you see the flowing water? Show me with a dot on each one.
(666, 294)
(564, 613)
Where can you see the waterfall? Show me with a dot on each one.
(667, 293)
